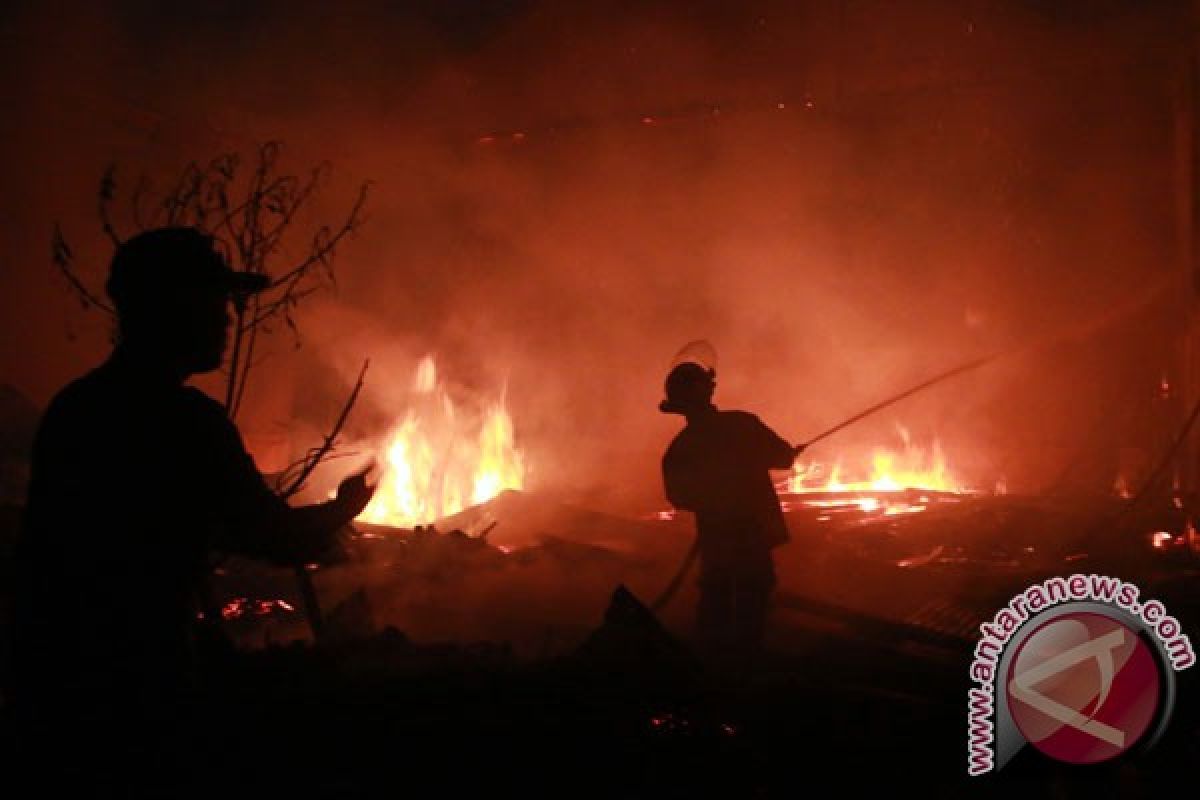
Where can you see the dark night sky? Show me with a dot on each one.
(943, 178)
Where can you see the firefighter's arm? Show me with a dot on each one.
(681, 484)
(776, 453)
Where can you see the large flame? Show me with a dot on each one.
(886, 470)
(437, 458)
(912, 467)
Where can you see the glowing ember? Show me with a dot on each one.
(243, 606)
(438, 458)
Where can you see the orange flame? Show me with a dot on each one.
(912, 467)
(435, 459)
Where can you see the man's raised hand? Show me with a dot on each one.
(354, 492)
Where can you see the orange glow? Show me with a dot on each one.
(912, 468)
(243, 606)
(866, 484)
(1121, 487)
(437, 458)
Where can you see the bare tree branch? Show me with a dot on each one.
(250, 209)
(325, 243)
(320, 453)
(106, 193)
(60, 253)
(248, 363)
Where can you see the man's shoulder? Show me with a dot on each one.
(76, 397)
(682, 445)
(741, 419)
(722, 421)
(676, 442)
(744, 424)
(201, 402)
(202, 411)
(96, 397)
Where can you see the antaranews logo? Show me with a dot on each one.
(1079, 668)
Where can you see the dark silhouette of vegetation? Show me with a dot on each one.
(253, 214)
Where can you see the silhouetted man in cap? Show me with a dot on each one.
(718, 467)
(135, 479)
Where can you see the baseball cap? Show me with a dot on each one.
(174, 262)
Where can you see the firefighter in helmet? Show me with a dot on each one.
(718, 468)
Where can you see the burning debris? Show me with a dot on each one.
(888, 482)
(913, 467)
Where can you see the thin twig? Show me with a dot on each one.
(327, 445)
(250, 220)
(108, 189)
(325, 243)
(63, 257)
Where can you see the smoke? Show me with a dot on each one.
(843, 197)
